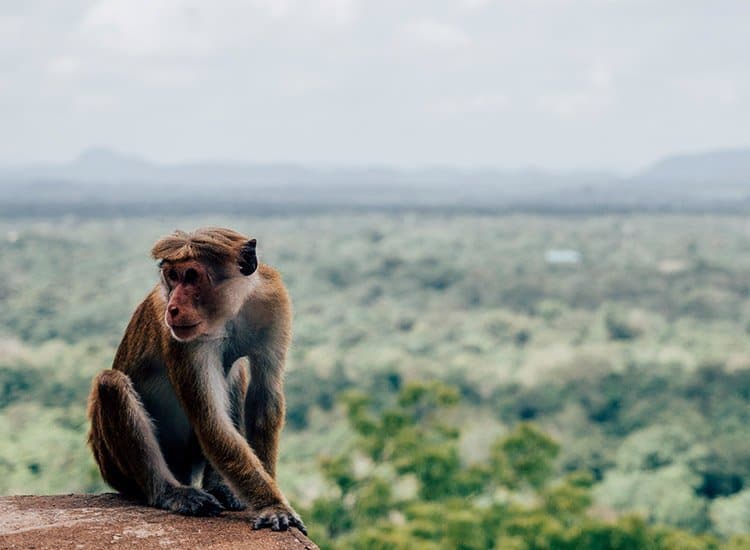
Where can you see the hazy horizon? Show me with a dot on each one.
(97, 153)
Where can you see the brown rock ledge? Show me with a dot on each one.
(109, 521)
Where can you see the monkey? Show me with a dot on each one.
(176, 411)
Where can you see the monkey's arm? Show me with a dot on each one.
(200, 388)
(265, 407)
(212, 480)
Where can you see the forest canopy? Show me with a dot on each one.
(447, 373)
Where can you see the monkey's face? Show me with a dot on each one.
(191, 295)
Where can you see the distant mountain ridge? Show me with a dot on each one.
(101, 165)
(722, 166)
(102, 181)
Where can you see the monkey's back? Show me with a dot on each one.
(145, 332)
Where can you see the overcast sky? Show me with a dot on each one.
(556, 84)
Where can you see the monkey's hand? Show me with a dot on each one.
(279, 517)
(225, 495)
(189, 501)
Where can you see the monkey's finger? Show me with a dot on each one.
(299, 524)
(192, 502)
(213, 511)
(284, 523)
(260, 522)
(275, 523)
(212, 507)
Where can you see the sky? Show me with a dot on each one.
(551, 84)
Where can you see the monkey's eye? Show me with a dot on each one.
(172, 275)
(191, 276)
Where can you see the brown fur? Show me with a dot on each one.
(177, 394)
(214, 245)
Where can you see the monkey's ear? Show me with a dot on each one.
(248, 259)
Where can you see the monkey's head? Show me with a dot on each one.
(204, 274)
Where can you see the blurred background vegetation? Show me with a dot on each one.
(456, 380)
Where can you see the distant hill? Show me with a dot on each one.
(103, 166)
(728, 166)
(100, 165)
(104, 183)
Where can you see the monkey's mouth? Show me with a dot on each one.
(184, 331)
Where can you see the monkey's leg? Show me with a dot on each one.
(212, 480)
(126, 449)
(264, 410)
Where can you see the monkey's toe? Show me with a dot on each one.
(278, 518)
(299, 524)
(189, 501)
(227, 498)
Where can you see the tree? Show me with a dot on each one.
(511, 500)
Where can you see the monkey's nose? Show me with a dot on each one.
(174, 311)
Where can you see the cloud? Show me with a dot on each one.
(593, 97)
(711, 89)
(303, 83)
(63, 66)
(90, 102)
(477, 104)
(340, 12)
(569, 104)
(143, 27)
(194, 27)
(474, 4)
(434, 34)
(601, 75)
(276, 9)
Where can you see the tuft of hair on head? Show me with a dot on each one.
(214, 245)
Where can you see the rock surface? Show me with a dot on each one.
(109, 521)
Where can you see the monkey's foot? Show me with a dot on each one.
(279, 518)
(226, 497)
(190, 502)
